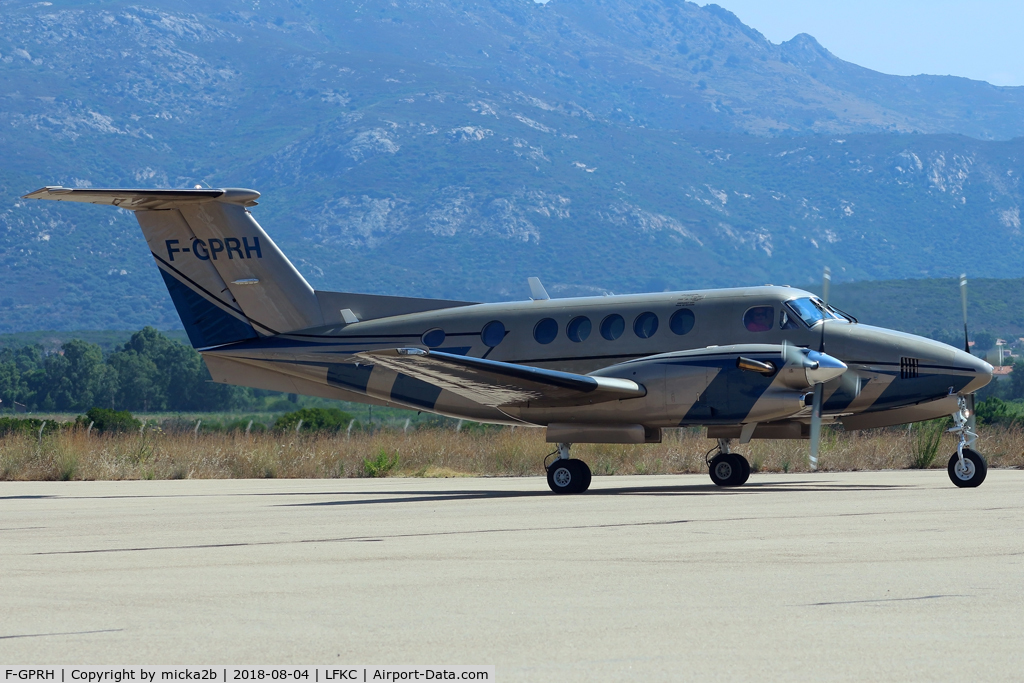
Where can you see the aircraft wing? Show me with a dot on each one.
(494, 383)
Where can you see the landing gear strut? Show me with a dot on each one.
(967, 468)
(728, 468)
(565, 474)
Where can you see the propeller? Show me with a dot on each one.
(971, 421)
(819, 388)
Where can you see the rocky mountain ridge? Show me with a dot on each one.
(453, 148)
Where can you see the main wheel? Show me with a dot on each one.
(973, 471)
(727, 469)
(569, 476)
(744, 470)
(585, 475)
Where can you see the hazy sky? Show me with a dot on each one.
(982, 39)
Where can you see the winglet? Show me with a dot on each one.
(537, 291)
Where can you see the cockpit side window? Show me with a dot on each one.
(786, 321)
(759, 318)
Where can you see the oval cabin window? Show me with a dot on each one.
(681, 321)
(612, 327)
(545, 331)
(759, 318)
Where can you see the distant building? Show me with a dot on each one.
(1001, 371)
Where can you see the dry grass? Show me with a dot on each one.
(71, 455)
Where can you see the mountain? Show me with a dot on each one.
(450, 148)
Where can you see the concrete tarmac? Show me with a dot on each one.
(846, 577)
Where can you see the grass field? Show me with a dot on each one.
(73, 455)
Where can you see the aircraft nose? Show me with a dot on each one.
(982, 371)
(827, 367)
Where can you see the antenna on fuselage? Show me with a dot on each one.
(537, 291)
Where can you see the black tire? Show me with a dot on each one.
(727, 469)
(585, 476)
(569, 476)
(977, 468)
(744, 470)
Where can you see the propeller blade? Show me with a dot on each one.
(963, 302)
(826, 282)
(850, 383)
(791, 353)
(816, 425)
(972, 422)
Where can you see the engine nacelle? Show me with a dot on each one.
(731, 384)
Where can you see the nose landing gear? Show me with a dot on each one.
(728, 468)
(967, 468)
(567, 475)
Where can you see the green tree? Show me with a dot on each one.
(72, 377)
(22, 375)
(1016, 380)
(983, 341)
(139, 382)
(179, 376)
(12, 385)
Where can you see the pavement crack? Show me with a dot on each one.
(364, 539)
(859, 602)
(65, 633)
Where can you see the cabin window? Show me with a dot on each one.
(545, 331)
(493, 333)
(645, 325)
(612, 327)
(433, 338)
(681, 321)
(578, 328)
(759, 318)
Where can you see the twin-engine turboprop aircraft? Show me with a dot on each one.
(749, 363)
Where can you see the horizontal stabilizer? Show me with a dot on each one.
(144, 199)
(497, 384)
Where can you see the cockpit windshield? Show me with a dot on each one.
(812, 310)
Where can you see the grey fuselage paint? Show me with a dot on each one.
(681, 390)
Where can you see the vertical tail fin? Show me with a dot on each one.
(228, 280)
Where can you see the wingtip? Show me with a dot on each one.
(42, 191)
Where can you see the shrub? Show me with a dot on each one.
(381, 464)
(27, 426)
(926, 444)
(280, 405)
(314, 420)
(110, 421)
(241, 424)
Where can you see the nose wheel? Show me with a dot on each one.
(967, 468)
(728, 468)
(969, 471)
(568, 475)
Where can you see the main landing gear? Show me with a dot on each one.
(728, 468)
(565, 474)
(967, 468)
